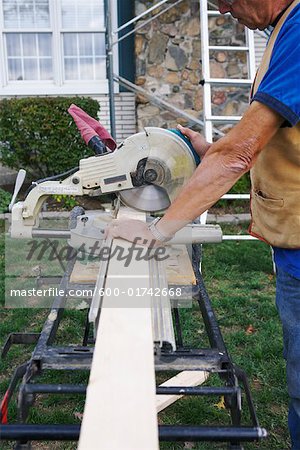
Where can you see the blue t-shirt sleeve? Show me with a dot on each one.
(280, 87)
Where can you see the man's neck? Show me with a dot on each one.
(285, 7)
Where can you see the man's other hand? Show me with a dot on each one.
(197, 140)
(132, 231)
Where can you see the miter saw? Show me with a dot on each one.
(146, 171)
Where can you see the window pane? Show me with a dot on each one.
(30, 69)
(46, 69)
(89, 44)
(42, 16)
(100, 68)
(81, 56)
(71, 69)
(68, 14)
(26, 14)
(90, 15)
(13, 44)
(99, 40)
(10, 13)
(44, 41)
(29, 44)
(82, 14)
(86, 69)
(29, 56)
(15, 69)
(70, 44)
(86, 44)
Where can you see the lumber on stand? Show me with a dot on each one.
(179, 268)
(120, 408)
(187, 378)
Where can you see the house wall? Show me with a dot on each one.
(168, 64)
(125, 114)
(260, 42)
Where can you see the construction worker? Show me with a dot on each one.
(267, 142)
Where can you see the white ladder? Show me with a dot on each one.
(209, 119)
(208, 82)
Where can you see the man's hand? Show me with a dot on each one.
(133, 231)
(197, 140)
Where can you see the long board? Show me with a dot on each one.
(120, 408)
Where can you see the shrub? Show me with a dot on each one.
(38, 134)
(242, 186)
(66, 201)
(5, 198)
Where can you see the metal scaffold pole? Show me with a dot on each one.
(110, 65)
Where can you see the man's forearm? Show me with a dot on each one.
(224, 163)
(212, 179)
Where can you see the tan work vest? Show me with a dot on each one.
(275, 177)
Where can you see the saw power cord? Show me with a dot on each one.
(51, 178)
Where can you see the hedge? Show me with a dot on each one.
(38, 134)
(5, 198)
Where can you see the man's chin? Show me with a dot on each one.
(251, 26)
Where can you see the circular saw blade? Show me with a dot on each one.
(148, 198)
(172, 156)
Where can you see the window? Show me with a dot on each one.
(54, 43)
(21, 14)
(83, 52)
(29, 56)
(83, 56)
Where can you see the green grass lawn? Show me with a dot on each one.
(239, 278)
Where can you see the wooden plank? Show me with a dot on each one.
(179, 269)
(186, 378)
(120, 410)
(85, 273)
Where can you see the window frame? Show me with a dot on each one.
(57, 86)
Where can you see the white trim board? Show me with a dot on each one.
(120, 408)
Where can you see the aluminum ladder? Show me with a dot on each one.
(210, 120)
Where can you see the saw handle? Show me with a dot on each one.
(19, 183)
(188, 142)
(98, 146)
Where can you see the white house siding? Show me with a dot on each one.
(125, 114)
(260, 42)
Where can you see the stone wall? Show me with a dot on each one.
(168, 64)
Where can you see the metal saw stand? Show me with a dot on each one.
(47, 356)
